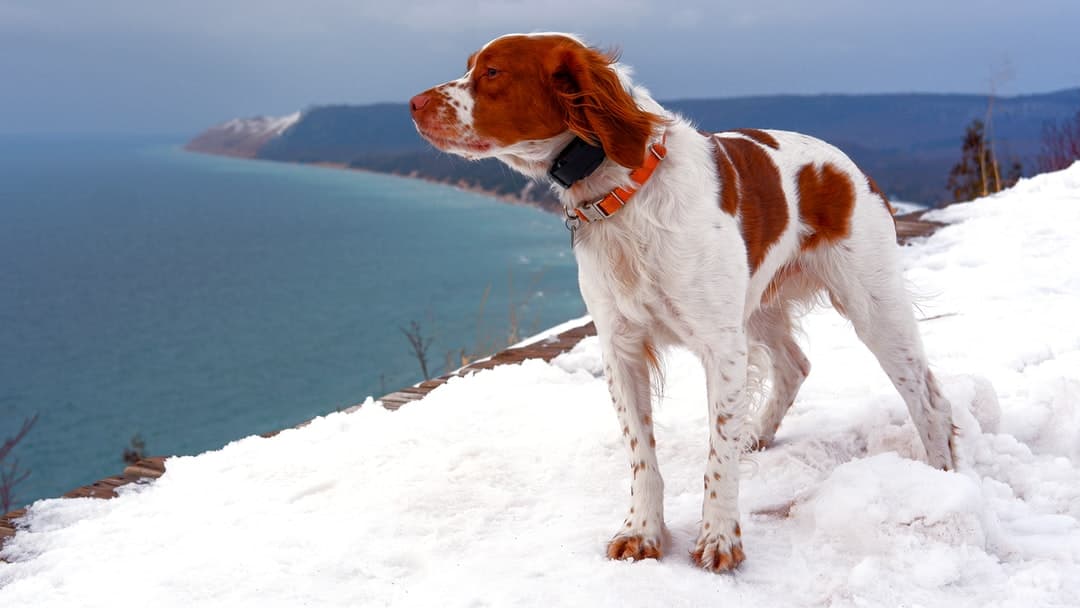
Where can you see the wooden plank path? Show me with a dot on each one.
(907, 227)
(546, 349)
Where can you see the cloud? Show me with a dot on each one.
(192, 62)
(288, 17)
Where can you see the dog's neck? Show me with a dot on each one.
(536, 158)
(575, 162)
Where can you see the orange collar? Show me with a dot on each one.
(617, 198)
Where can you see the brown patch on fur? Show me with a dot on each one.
(648, 419)
(652, 440)
(634, 548)
(536, 87)
(720, 561)
(633, 443)
(826, 200)
(712, 494)
(737, 555)
(763, 213)
(596, 105)
(760, 137)
(729, 185)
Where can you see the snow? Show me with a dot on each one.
(501, 488)
(904, 207)
(261, 125)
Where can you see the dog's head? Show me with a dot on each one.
(524, 96)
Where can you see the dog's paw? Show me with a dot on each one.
(635, 547)
(719, 549)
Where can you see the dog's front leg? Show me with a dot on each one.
(643, 532)
(719, 543)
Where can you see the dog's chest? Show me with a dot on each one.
(628, 272)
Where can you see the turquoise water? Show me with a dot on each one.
(195, 300)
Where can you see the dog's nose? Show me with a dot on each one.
(418, 102)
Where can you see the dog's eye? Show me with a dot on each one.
(491, 73)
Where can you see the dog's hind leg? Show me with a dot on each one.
(772, 328)
(863, 276)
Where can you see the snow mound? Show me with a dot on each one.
(501, 488)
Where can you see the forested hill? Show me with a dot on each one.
(907, 142)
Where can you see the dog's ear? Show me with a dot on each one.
(598, 109)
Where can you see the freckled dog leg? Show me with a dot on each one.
(790, 367)
(719, 543)
(642, 533)
(871, 293)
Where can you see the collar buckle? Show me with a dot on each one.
(573, 222)
(592, 212)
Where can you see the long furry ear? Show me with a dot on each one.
(598, 108)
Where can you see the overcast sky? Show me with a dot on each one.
(176, 66)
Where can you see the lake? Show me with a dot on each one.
(193, 300)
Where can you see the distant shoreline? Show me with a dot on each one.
(901, 208)
(505, 198)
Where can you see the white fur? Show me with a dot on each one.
(670, 268)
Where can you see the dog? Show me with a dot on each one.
(709, 241)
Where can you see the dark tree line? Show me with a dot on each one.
(1060, 144)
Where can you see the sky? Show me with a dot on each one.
(133, 66)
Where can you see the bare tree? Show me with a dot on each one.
(1060, 144)
(420, 344)
(10, 475)
(990, 171)
(978, 173)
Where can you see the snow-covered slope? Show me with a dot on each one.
(501, 489)
(241, 136)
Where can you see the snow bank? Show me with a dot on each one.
(502, 488)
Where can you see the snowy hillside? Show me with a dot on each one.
(502, 488)
(242, 137)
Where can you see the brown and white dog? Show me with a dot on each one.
(687, 238)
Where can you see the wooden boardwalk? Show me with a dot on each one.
(546, 349)
(907, 227)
